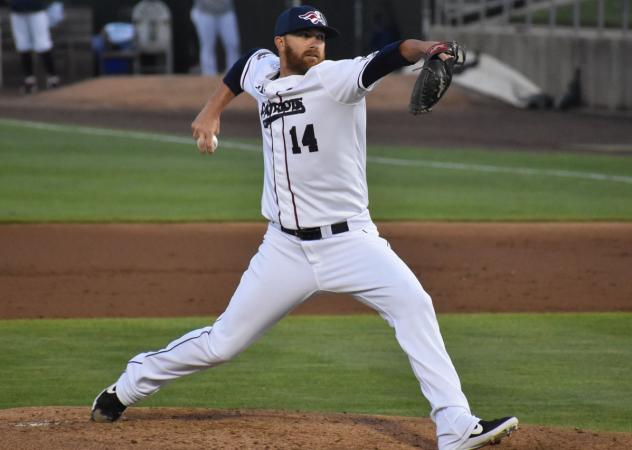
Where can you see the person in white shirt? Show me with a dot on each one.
(320, 235)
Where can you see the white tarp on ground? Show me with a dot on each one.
(489, 76)
(492, 77)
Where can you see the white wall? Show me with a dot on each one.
(549, 59)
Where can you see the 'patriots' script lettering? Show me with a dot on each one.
(272, 111)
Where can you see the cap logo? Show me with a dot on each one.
(315, 17)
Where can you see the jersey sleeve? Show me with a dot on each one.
(343, 79)
(232, 79)
(261, 65)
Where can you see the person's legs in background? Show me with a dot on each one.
(22, 40)
(206, 26)
(229, 32)
(29, 85)
(52, 79)
(43, 45)
(31, 33)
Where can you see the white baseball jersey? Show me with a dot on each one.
(314, 143)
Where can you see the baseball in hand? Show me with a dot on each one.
(202, 147)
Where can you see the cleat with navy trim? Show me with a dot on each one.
(489, 432)
(107, 407)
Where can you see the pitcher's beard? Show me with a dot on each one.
(296, 63)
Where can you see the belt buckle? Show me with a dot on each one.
(340, 227)
(309, 234)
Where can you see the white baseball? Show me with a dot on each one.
(201, 142)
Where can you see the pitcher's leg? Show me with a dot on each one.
(408, 309)
(277, 280)
(375, 275)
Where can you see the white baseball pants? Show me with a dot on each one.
(284, 273)
(31, 32)
(208, 26)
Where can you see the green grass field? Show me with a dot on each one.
(61, 175)
(559, 369)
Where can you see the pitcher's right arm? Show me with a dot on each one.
(207, 123)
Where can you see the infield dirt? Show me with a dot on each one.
(179, 428)
(192, 269)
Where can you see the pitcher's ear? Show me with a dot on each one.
(279, 42)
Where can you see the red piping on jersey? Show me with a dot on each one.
(274, 176)
(287, 170)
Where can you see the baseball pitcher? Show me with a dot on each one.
(320, 235)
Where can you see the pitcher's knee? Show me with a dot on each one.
(415, 300)
(225, 348)
(425, 299)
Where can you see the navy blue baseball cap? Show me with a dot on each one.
(303, 18)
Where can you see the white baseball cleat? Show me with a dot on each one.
(489, 433)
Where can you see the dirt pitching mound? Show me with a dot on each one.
(177, 428)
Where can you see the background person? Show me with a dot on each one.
(212, 18)
(30, 28)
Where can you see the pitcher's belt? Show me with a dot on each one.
(313, 234)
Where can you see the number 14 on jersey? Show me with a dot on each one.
(308, 140)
